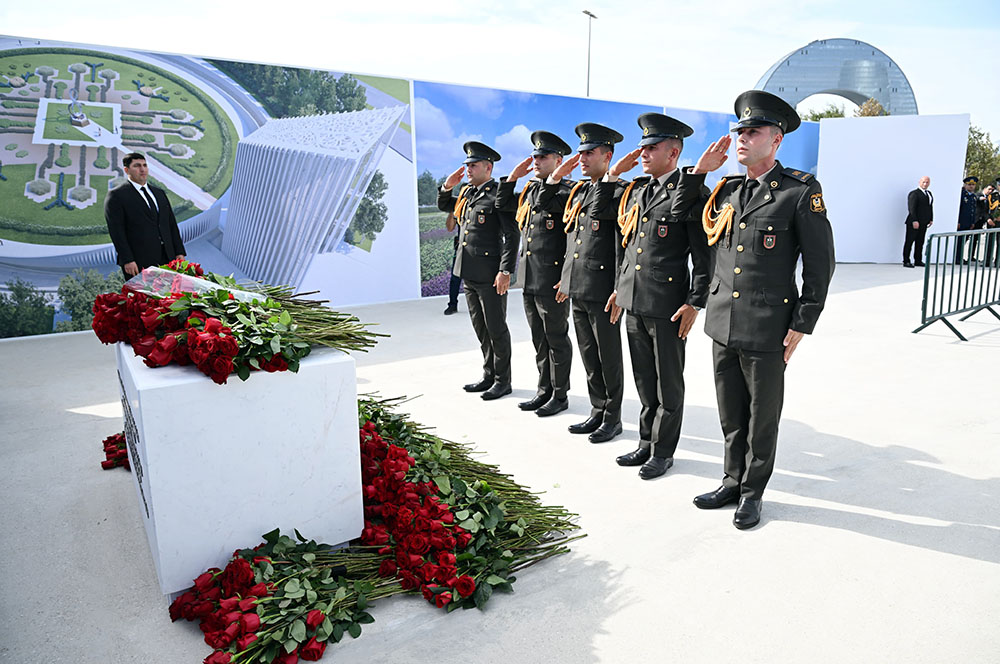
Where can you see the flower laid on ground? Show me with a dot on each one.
(180, 314)
(437, 523)
(115, 454)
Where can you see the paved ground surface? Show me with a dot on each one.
(880, 540)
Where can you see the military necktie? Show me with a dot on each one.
(747, 193)
(649, 195)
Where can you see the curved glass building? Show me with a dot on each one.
(846, 67)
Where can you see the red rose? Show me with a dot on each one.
(213, 325)
(230, 617)
(245, 640)
(237, 577)
(144, 346)
(249, 622)
(407, 581)
(228, 346)
(314, 619)
(229, 604)
(445, 558)
(418, 543)
(109, 464)
(313, 650)
(387, 568)
(158, 357)
(442, 600)
(200, 610)
(445, 573)
(248, 603)
(258, 590)
(287, 657)
(465, 585)
(218, 657)
(428, 591)
(177, 606)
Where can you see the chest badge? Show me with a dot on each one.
(595, 225)
(769, 241)
(481, 217)
(662, 229)
(550, 224)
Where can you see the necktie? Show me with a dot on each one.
(747, 193)
(649, 195)
(149, 199)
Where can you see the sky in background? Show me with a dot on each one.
(687, 55)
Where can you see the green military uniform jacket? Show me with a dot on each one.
(653, 279)
(753, 298)
(543, 238)
(487, 236)
(593, 248)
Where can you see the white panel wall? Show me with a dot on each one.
(867, 166)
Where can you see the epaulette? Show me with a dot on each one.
(642, 179)
(566, 182)
(801, 176)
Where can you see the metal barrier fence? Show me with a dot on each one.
(961, 275)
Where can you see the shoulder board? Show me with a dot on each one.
(801, 176)
(642, 179)
(569, 184)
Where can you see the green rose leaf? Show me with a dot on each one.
(354, 629)
(298, 631)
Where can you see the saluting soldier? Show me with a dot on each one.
(760, 225)
(655, 287)
(538, 212)
(486, 255)
(588, 277)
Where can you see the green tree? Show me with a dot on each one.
(427, 188)
(982, 157)
(831, 111)
(370, 218)
(25, 310)
(77, 292)
(288, 91)
(871, 108)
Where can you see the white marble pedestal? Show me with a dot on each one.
(217, 466)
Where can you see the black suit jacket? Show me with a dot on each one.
(920, 207)
(138, 232)
(487, 235)
(653, 279)
(543, 240)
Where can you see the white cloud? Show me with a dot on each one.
(514, 145)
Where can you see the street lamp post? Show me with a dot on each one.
(590, 20)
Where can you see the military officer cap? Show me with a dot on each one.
(971, 178)
(546, 142)
(657, 127)
(592, 135)
(756, 108)
(476, 151)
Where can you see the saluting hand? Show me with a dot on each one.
(521, 170)
(613, 307)
(626, 163)
(686, 314)
(714, 156)
(566, 167)
(454, 178)
(791, 342)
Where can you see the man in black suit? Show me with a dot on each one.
(140, 221)
(919, 217)
(588, 276)
(486, 256)
(655, 287)
(538, 211)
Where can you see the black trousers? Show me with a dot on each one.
(549, 323)
(600, 345)
(914, 236)
(488, 312)
(750, 389)
(658, 367)
(455, 283)
(164, 259)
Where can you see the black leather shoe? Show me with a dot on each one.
(724, 495)
(655, 467)
(552, 406)
(534, 402)
(589, 425)
(481, 386)
(605, 433)
(634, 458)
(919, 264)
(452, 308)
(907, 264)
(747, 513)
(498, 390)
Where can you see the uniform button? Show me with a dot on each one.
(465, 244)
(670, 278)
(579, 241)
(739, 247)
(557, 262)
(529, 253)
(529, 239)
(576, 255)
(638, 267)
(786, 300)
(486, 253)
(602, 267)
(736, 294)
(639, 250)
(466, 232)
(645, 218)
(767, 197)
(742, 225)
(642, 234)
(737, 270)
(770, 228)
(531, 225)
